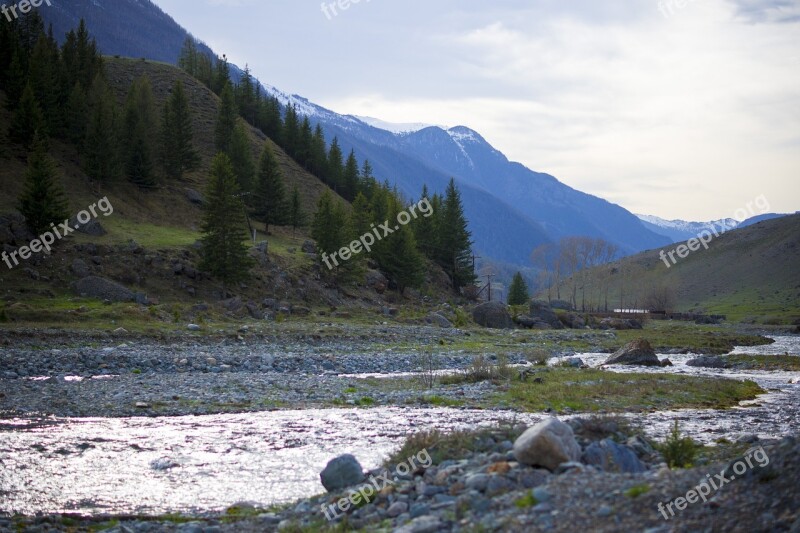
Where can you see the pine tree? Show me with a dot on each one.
(332, 229)
(297, 217)
(319, 155)
(43, 75)
(366, 180)
(225, 254)
(401, 259)
(291, 132)
(518, 291)
(350, 177)
(43, 202)
(28, 119)
(454, 246)
(362, 215)
(226, 120)
(335, 166)
(305, 142)
(178, 154)
(76, 115)
(222, 75)
(270, 197)
(269, 118)
(101, 148)
(425, 228)
(241, 156)
(246, 97)
(189, 57)
(138, 126)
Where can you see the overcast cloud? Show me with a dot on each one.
(684, 113)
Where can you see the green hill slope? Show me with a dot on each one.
(747, 274)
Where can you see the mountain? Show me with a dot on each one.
(681, 230)
(747, 272)
(406, 127)
(511, 208)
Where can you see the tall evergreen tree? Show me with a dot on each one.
(304, 144)
(241, 156)
(139, 123)
(291, 132)
(401, 259)
(76, 115)
(224, 251)
(177, 136)
(362, 215)
(42, 202)
(270, 197)
(28, 119)
(297, 217)
(335, 166)
(331, 228)
(222, 74)
(425, 228)
(188, 59)
(43, 75)
(518, 291)
(101, 148)
(246, 97)
(319, 155)
(350, 177)
(454, 244)
(226, 120)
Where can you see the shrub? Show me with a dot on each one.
(678, 452)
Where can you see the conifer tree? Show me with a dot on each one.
(331, 228)
(269, 118)
(101, 147)
(362, 215)
(241, 156)
(222, 75)
(28, 119)
(401, 259)
(305, 142)
(226, 120)
(454, 246)
(178, 154)
(297, 217)
(139, 124)
(425, 228)
(350, 177)
(319, 155)
(335, 166)
(291, 132)
(246, 97)
(518, 291)
(270, 196)
(43, 75)
(224, 253)
(189, 57)
(42, 202)
(76, 115)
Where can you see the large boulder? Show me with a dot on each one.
(609, 456)
(547, 444)
(544, 313)
(342, 472)
(493, 315)
(638, 352)
(104, 289)
(376, 281)
(438, 320)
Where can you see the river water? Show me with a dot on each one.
(207, 463)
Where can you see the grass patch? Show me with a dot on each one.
(637, 490)
(765, 362)
(481, 370)
(441, 401)
(595, 390)
(529, 500)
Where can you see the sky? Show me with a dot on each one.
(676, 108)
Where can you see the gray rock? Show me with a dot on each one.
(609, 456)
(423, 524)
(104, 289)
(80, 268)
(544, 313)
(439, 320)
(341, 472)
(708, 361)
(638, 352)
(477, 482)
(493, 315)
(195, 197)
(376, 281)
(547, 444)
(93, 227)
(309, 247)
(396, 509)
(620, 324)
(193, 327)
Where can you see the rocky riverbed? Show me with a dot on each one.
(274, 407)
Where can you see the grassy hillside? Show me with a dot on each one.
(168, 205)
(747, 274)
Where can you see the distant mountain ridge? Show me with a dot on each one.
(681, 230)
(511, 208)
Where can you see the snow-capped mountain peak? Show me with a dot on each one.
(397, 128)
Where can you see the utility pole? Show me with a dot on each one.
(489, 284)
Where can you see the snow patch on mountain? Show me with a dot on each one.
(690, 227)
(397, 128)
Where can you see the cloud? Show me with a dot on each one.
(768, 11)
